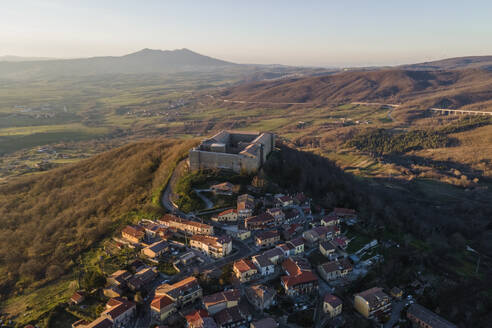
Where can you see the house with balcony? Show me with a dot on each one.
(372, 303)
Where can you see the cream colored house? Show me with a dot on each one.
(332, 305)
(215, 247)
(244, 270)
(162, 307)
(372, 302)
(229, 215)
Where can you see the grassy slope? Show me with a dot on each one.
(54, 217)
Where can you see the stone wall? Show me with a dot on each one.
(202, 159)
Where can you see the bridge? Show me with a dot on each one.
(459, 111)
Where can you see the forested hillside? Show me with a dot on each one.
(47, 220)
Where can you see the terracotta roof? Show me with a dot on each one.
(271, 253)
(373, 295)
(295, 265)
(231, 210)
(121, 306)
(230, 315)
(135, 231)
(332, 300)
(262, 260)
(334, 266)
(77, 297)
(304, 277)
(264, 217)
(160, 302)
(268, 235)
(285, 247)
(244, 265)
(212, 240)
(297, 242)
(223, 186)
(196, 315)
(429, 317)
(178, 288)
(220, 297)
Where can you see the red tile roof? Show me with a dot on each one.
(134, 231)
(160, 302)
(196, 315)
(77, 297)
(304, 277)
(244, 265)
(118, 306)
(231, 210)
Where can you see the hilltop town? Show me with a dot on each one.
(268, 260)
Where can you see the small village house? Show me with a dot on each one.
(372, 303)
(134, 234)
(259, 222)
(156, 249)
(267, 239)
(162, 307)
(229, 215)
(216, 247)
(182, 292)
(222, 300)
(264, 265)
(244, 270)
(332, 305)
(260, 296)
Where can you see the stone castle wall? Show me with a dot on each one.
(201, 159)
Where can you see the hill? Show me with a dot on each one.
(423, 88)
(48, 220)
(10, 58)
(143, 61)
(483, 62)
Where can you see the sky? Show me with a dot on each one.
(304, 33)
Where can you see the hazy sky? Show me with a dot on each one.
(330, 33)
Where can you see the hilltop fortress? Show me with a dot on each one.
(231, 150)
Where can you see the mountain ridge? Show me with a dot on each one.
(140, 62)
(452, 88)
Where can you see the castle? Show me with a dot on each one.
(231, 150)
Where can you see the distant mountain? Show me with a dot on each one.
(454, 88)
(22, 59)
(481, 62)
(143, 61)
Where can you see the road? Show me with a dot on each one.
(208, 203)
(166, 195)
(259, 102)
(395, 313)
